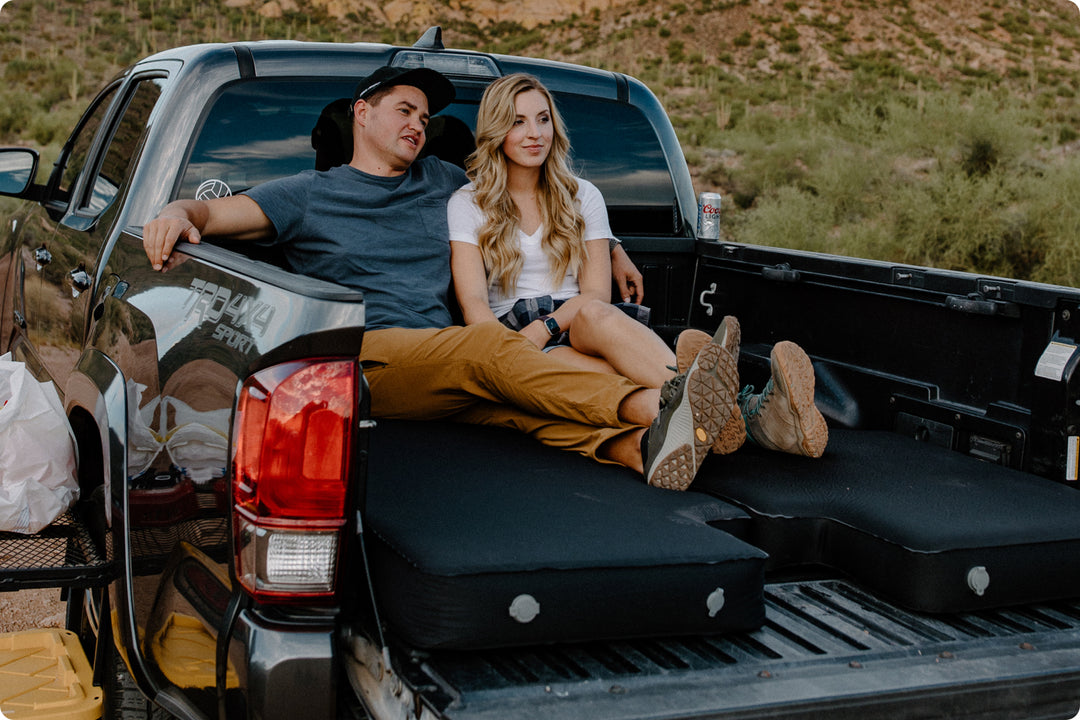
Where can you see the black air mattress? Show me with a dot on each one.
(481, 538)
(928, 528)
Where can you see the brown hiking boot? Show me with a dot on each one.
(687, 346)
(783, 417)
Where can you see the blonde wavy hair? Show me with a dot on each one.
(564, 226)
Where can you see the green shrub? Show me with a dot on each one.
(53, 127)
(25, 72)
(790, 218)
(16, 111)
(1055, 207)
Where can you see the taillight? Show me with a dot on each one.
(292, 437)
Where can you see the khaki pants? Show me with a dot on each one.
(487, 374)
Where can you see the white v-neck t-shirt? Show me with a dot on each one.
(465, 220)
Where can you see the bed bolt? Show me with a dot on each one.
(764, 674)
(1026, 646)
(946, 655)
(855, 665)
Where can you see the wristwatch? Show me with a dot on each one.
(552, 325)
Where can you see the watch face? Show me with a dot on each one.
(552, 326)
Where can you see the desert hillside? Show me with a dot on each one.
(939, 132)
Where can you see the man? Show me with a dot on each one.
(379, 224)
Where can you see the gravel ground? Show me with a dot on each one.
(27, 609)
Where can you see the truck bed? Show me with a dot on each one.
(827, 649)
(831, 645)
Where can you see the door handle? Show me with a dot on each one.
(80, 280)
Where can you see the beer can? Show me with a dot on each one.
(708, 216)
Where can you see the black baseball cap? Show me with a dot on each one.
(439, 90)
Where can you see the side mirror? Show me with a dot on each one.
(18, 167)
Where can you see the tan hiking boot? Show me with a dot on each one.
(687, 346)
(783, 416)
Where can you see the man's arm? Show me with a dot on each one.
(470, 283)
(238, 217)
(626, 276)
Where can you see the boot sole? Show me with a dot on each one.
(792, 366)
(704, 408)
(689, 343)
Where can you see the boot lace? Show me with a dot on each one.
(749, 413)
(671, 389)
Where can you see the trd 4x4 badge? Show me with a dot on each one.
(236, 314)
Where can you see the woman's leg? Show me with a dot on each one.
(604, 331)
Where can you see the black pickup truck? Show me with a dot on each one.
(249, 543)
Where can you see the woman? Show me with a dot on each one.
(526, 233)
(526, 229)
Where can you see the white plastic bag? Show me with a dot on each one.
(37, 452)
(144, 444)
(198, 441)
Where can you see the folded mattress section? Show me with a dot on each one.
(928, 528)
(482, 537)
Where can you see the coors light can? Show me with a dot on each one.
(708, 216)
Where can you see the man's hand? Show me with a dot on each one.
(626, 276)
(162, 233)
(237, 217)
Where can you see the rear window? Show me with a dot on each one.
(614, 147)
(259, 130)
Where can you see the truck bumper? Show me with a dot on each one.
(292, 669)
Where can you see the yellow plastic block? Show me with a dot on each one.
(44, 674)
(187, 654)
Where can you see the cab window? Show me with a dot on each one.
(119, 158)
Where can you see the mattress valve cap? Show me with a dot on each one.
(978, 579)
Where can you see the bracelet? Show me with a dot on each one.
(613, 243)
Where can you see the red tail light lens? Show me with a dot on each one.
(293, 433)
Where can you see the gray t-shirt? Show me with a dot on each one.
(386, 236)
